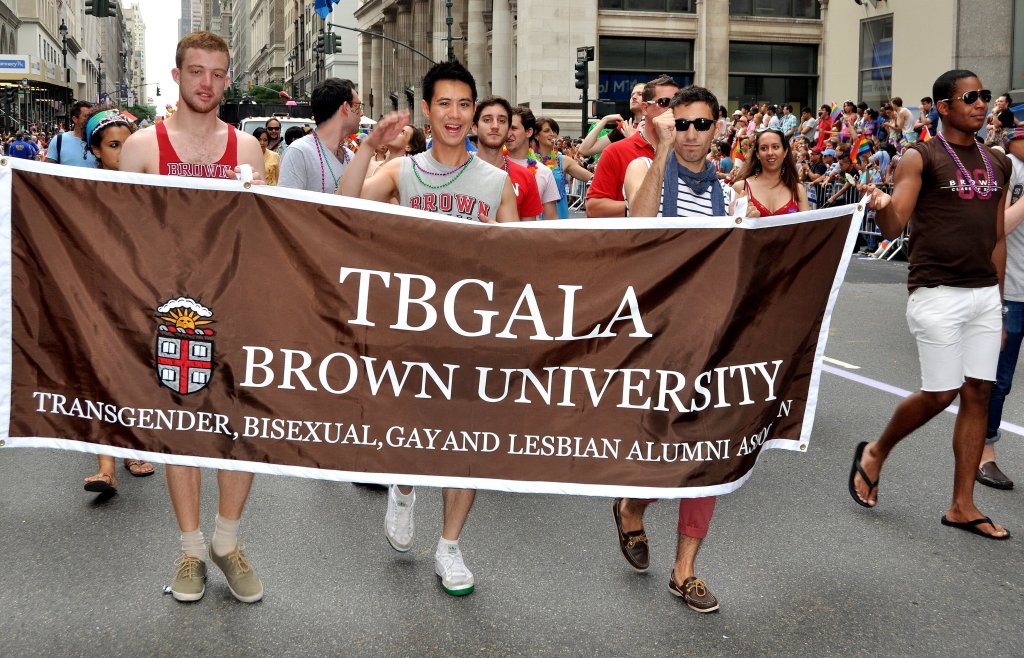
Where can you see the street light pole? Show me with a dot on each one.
(448, 21)
(63, 29)
(99, 78)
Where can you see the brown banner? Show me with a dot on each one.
(217, 326)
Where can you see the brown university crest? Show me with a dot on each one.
(184, 348)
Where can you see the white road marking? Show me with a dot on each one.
(841, 364)
(889, 388)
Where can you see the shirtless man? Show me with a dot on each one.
(194, 142)
(430, 181)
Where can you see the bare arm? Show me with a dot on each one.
(507, 211)
(999, 253)
(576, 170)
(594, 141)
(550, 210)
(643, 185)
(1014, 215)
(384, 184)
(139, 151)
(250, 153)
(894, 211)
(605, 207)
(801, 199)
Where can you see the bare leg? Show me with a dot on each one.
(404, 489)
(183, 484)
(234, 491)
(457, 503)
(988, 453)
(631, 512)
(686, 557)
(106, 464)
(968, 443)
(913, 412)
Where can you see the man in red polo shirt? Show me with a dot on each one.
(605, 198)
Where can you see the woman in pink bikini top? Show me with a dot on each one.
(769, 178)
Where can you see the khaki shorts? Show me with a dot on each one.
(958, 332)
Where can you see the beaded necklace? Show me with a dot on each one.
(323, 171)
(461, 169)
(963, 170)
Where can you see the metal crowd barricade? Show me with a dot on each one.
(578, 194)
(868, 227)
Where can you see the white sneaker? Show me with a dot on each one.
(399, 527)
(456, 578)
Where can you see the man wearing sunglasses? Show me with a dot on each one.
(954, 191)
(275, 140)
(680, 182)
(605, 198)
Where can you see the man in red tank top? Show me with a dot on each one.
(194, 142)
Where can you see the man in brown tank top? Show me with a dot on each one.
(954, 190)
(200, 139)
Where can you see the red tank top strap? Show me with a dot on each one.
(167, 152)
(230, 156)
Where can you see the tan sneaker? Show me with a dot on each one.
(189, 582)
(243, 582)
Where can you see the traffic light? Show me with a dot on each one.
(321, 44)
(158, 90)
(331, 45)
(90, 7)
(100, 8)
(111, 6)
(581, 75)
(11, 95)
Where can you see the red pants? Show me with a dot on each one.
(694, 515)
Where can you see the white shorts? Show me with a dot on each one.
(958, 332)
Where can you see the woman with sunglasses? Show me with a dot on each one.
(769, 178)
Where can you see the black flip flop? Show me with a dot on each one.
(972, 527)
(856, 470)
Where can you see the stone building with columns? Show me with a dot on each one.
(744, 50)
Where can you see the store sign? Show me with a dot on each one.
(14, 64)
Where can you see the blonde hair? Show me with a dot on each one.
(202, 41)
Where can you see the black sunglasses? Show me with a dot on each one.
(702, 125)
(660, 102)
(273, 127)
(971, 97)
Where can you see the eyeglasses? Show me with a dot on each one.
(356, 107)
(971, 97)
(277, 128)
(660, 102)
(702, 125)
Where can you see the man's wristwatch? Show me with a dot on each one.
(1006, 309)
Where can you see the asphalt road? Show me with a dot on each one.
(798, 567)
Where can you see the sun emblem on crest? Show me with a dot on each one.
(184, 345)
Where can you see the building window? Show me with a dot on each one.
(875, 85)
(678, 6)
(626, 61)
(773, 73)
(776, 8)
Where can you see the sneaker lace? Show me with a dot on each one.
(454, 564)
(188, 567)
(239, 563)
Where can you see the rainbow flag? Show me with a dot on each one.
(860, 145)
(736, 150)
(836, 112)
(925, 134)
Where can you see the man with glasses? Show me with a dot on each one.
(275, 140)
(680, 182)
(954, 191)
(317, 161)
(605, 198)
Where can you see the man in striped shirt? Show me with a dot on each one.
(680, 182)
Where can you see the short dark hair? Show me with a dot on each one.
(745, 107)
(945, 85)
(274, 119)
(488, 102)
(453, 70)
(660, 81)
(76, 109)
(695, 94)
(1006, 95)
(807, 110)
(417, 141)
(293, 133)
(330, 95)
(260, 132)
(525, 115)
(862, 106)
(927, 99)
(549, 121)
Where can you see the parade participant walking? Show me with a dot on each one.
(770, 178)
(271, 160)
(70, 148)
(680, 182)
(194, 142)
(22, 147)
(429, 181)
(903, 120)
(953, 190)
(605, 197)
(106, 132)
(491, 123)
(561, 168)
(989, 473)
(520, 132)
(317, 161)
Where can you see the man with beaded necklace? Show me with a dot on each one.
(317, 161)
(445, 179)
(954, 191)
